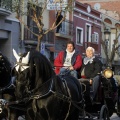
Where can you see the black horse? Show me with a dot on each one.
(5, 71)
(8, 110)
(49, 97)
(6, 88)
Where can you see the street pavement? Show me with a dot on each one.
(114, 117)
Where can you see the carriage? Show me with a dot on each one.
(107, 99)
(47, 96)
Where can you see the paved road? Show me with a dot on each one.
(114, 117)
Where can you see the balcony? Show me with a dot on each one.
(5, 7)
(66, 30)
(31, 39)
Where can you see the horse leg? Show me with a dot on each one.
(30, 114)
(12, 115)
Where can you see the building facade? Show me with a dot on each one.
(110, 18)
(113, 27)
(109, 7)
(87, 28)
(55, 40)
(9, 30)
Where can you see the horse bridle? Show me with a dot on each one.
(26, 83)
(20, 65)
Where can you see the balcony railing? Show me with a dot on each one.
(48, 38)
(66, 29)
(5, 7)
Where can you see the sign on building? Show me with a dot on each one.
(56, 4)
(42, 48)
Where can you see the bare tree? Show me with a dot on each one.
(115, 47)
(35, 10)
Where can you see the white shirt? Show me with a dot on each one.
(68, 58)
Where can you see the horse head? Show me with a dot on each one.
(32, 69)
(21, 70)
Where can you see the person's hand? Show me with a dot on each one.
(71, 68)
(90, 81)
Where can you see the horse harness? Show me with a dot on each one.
(60, 96)
(57, 94)
(49, 92)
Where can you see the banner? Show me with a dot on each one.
(56, 4)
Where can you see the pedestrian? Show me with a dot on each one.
(59, 17)
(69, 59)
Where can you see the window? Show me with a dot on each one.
(88, 33)
(6, 4)
(31, 24)
(95, 37)
(79, 36)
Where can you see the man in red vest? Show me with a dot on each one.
(69, 59)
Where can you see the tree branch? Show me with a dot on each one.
(27, 27)
(105, 50)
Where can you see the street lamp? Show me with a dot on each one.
(106, 34)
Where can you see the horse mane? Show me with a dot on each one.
(40, 65)
(43, 70)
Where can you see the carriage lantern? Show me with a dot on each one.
(107, 73)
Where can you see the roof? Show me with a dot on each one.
(108, 5)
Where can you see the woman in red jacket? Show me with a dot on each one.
(69, 59)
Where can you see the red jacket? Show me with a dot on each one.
(76, 61)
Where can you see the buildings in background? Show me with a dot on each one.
(9, 29)
(55, 40)
(108, 7)
(110, 14)
(87, 28)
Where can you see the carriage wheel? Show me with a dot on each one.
(104, 114)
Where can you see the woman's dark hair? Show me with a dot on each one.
(71, 42)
